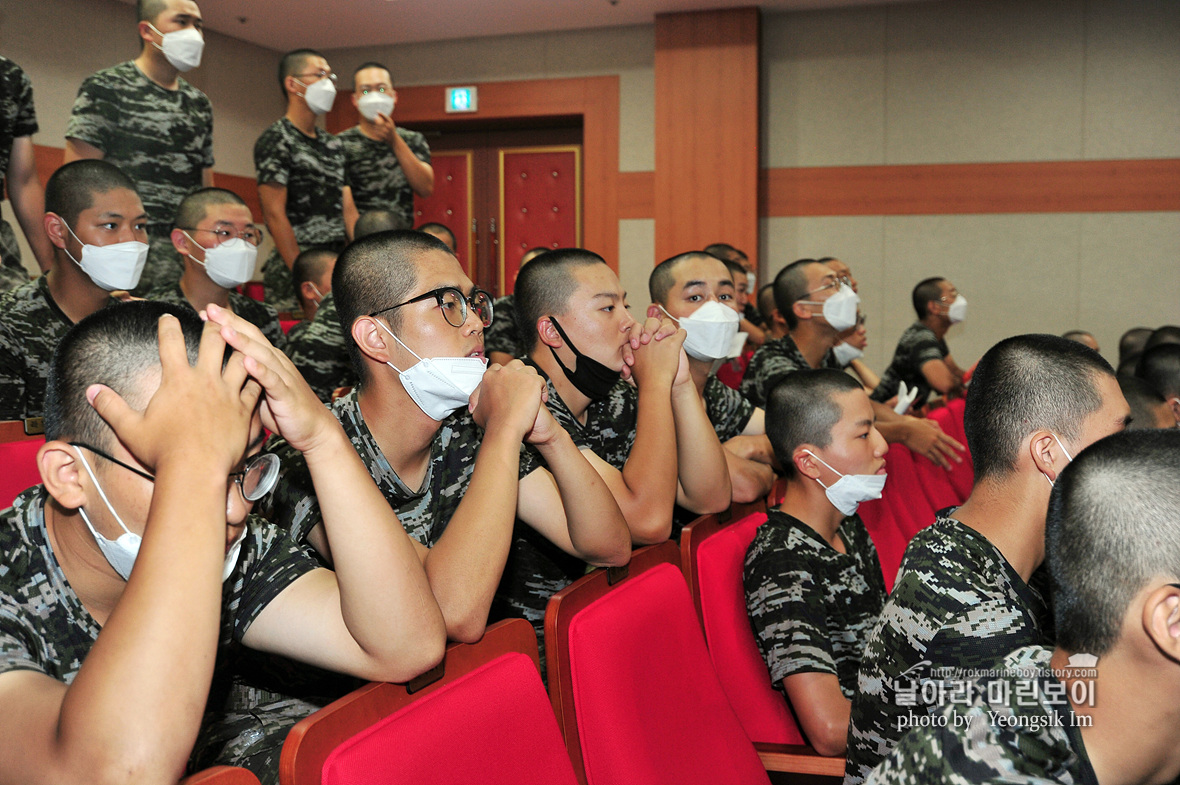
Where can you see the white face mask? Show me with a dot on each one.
(736, 345)
(231, 556)
(958, 310)
(846, 353)
(711, 330)
(840, 309)
(230, 264)
(182, 48)
(1067, 455)
(374, 104)
(751, 282)
(320, 95)
(439, 385)
(111, 267)
(850, 490)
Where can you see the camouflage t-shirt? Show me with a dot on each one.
(312, 171)
(956, 603)
(810, 605)
(1011, 730)
(320, 351)
(260, 315)
(425, 512)
(728, 409)
(162, 139)
(44, 627)
(610, 422)
(17, 118)
(31, 325)
(774, 360)
(377, 180)
(917, 346)
(502, 335)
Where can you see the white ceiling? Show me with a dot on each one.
(330, 24)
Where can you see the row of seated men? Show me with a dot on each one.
(438, 493)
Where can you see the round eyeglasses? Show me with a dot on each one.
(256, 479)
(454, 305)
(253, 235)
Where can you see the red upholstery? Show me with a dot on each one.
(287, 324)
(19, 462)
(633, 685)
(255, 290)
(887, 537)
(493, 726)
(950, 418)
(903, 492)
(221, 775)
(450, 203)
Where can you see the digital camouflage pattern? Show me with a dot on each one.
(610, 423)
(811, 606)
(773, 361)
(956, 604)
(728, 409)
(377, 180)
(1037, 742)
(31, 326)
(917, 346)
(425, 512)
(259, 314)
(162, 139)
(44, 627)
(18, 118)
(295, 334)
(312, 171)
(320, 351)
(503, 335)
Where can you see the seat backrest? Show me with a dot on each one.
(18, 457)
(485, 718)
(950, 419)
(221, 775)
(633, 686)
(887, 537)
(286, 324)
(716, 583)
(903, 492)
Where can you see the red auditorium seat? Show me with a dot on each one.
(903, 493)
(221, 775)
(255, 290)
(18, 456)
(887, 537)
(950, 418)
(287, 324)
(481, 716)
(713, 555)
(633, 688)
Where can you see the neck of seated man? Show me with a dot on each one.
(401, 429)
(805, 499)
(814, 339)
(73, 291)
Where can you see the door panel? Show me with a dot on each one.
(452, 203)
(540, 203)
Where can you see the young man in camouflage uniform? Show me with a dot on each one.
(305, 200)
(680, 287)
(156, 127)
(384, 164)
(1100, 707)
(312, 279)
(208, 219)
(89, 203)
(962, 598)
(502, 339)
(802, 290)
(812, 577)
(130, 580)
(922, 359)
(18, 176)
(457, 473)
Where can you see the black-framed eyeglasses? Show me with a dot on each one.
(320, 74)
(253, 235)
(453, 304)
(255, 480)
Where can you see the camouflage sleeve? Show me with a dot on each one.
(25, 123)
(18, 640)
(207, 151)
(272, 158)
(292, 505)
(773, 370)
(12, 377)
(322, 361)
(728, 409)
(419, 147)
(924, 349)
(786, 608)
(270, 562)
(95, 116)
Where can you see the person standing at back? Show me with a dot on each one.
(156, 127)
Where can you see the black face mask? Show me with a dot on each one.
(591, 378)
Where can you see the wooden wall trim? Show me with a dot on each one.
(637, 195)
(950, 189)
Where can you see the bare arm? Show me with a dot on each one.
(938, 375)
(704, 476)
(822, 709)
(274, 212)
(757, 336)
(749, 479)
(28, 199)
(350, 213)
(869, 379)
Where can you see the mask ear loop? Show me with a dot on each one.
(825, 463)
(399, 340)
(101, 493)
(1067, 455)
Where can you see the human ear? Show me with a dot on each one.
(548, 333)
(371, 339)
(61, 473)
(805, 462)
(1043, 449)
(1161, 619)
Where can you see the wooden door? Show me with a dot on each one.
(540, 204)
(452, 203)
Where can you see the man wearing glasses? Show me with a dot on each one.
(134, 578)
(216, 236)
(384, 164)
(460, 451)
(922, 359)
(144, 118)
(305, 201)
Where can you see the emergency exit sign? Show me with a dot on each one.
(462, 99)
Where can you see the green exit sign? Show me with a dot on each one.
(462, 99)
